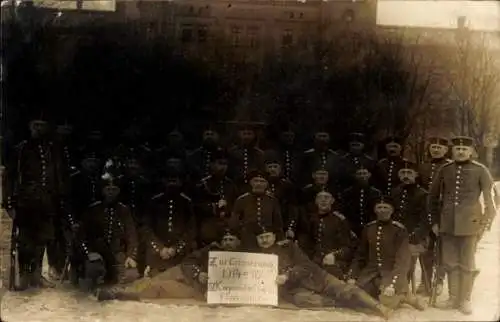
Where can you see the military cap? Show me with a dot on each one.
(439, 140)
(357, 137)
(219, 154)
(393, 138)
(409, 165)
(272, 156)
(259, 229)
(384, 199)
(211, 126)
(231, 232)
(256, 173)
(319, 167)
(462, 141)
(108, 179)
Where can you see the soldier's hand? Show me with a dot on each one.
(203, 278)
(147, 271)
(130, 263)
(281, 279)
(351, 281)
(290, 234)
(222, 203)
(329, 259)
(171, 252)
(435, 229)
(164, 253)
(389, 291)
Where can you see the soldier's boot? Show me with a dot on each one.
(466, 284)
(116, 293)
(24, 278)
(453, 288)
(37, 279)
(415, 302)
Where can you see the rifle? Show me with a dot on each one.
(14, 269)
(435, 272)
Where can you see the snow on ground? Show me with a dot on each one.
(61, 306)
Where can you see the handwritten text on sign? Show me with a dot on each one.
(242, 278)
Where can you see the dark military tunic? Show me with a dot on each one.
(284, 191)
(135, 192)
(241, 161)
(170, 223)
(290, 159)
(352, 162)
(210, 217)
(411, 210)
(382, 258)
(69, 157)
(358, 202)
(85, 190)
(199, 162)
(320, 235)
(386, 174)
(250, 209)
(308, 196)
(108, 229)
(328, 159)
(428, 170)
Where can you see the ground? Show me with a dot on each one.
(61, 306)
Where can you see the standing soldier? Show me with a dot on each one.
(355, 159)
(438, 148)
(215, 196)
(288, 153)
(359, 199)
(36, 185)
(326, 237)
(245, 156)
(382, 260)
(386, 175)
(459, 219)
(170, 226)
(136, 193)
(256, 207)
(200, 160)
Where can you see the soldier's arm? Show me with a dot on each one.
(236, 213)
(347, 241)
(154, 244)
(188, 238)
(360, 255)
(424, 218)
(11, 177)
(488, 189)
(301, 267)
(192, 264)
(402, 259)
(130, 232)
(277, 218)
(434, 197)
(61, 175)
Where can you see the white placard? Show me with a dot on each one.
(242, 278)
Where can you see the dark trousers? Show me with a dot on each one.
(57, 248)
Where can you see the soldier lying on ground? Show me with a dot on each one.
(305, 284)
(187, 280)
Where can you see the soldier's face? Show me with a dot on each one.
(230, 242)
(287, 137)
(363, 175)
(219, 166)
(247, 136)
(438, 151)
(90, 164)
(273, 169)
(407, 176)
(356, 147)
(324, 201)
(258, 184)
(210, 137)
(383, 211)
(393, 149)
(320, 177)
(111, 192)
(462, 153)
(322, 138)
(266, 240)
(39, 128)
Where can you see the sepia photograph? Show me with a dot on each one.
(249, 160)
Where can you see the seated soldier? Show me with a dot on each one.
(186, 280)
(304, 283)
(382, 260)
(326, 237)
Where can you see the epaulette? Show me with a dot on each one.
(369, 157)
(21, 144)
(381, 160)
(283, 243)
(479, 164)
(270, 194)
(371, 223)
(203, 180)
(333, 152)
(246, 194)
(75, 173)
(161, 194)
(258, 149)
(121, 204)
(398, 224)
(339, 215)
(145, 148)
(346, 190)
(376, 190)
(95, 203)
(307, 186)
(448, 164)
(183, 195)
(192, 152)
(309, 150)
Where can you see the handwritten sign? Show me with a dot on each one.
(242, 278)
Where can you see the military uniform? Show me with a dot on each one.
(456, 208)
(326, 159)
(85, 190)
(351, 161)
(357, 205)
(170, 223)
(308, 196)
(386, 171)
(320, 235)
(242, 159)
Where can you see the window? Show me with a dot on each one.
(236, 35)
(287, 38)
(253, 37)
(187, 34)
(461, 22)
(202, 33)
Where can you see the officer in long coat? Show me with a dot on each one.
(459, 219)
(386, 173)
(214, 197)
(170, 226)
(326, 237)
(438, 148)
(35, 187)
(382, 260)
(359, 199)
(355, 159)
(200, 159)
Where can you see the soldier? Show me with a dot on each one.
(382, 260)
(359, 199)
(321, 182)
(132, 144)
(459, 219)
(34, 191)
(66, 143)
(288, 153)
(170, 226)
(256, 207)
(245, 156)
(106, 240)
(136, 193)
(438, 148)
(175, 146)
(411, 210)
(283, 190)
(355, 159)
(326, 237)
(200, 160)
(93, 141)
(304, 283)
(386, 175)
(321, 156)
(215, 196)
